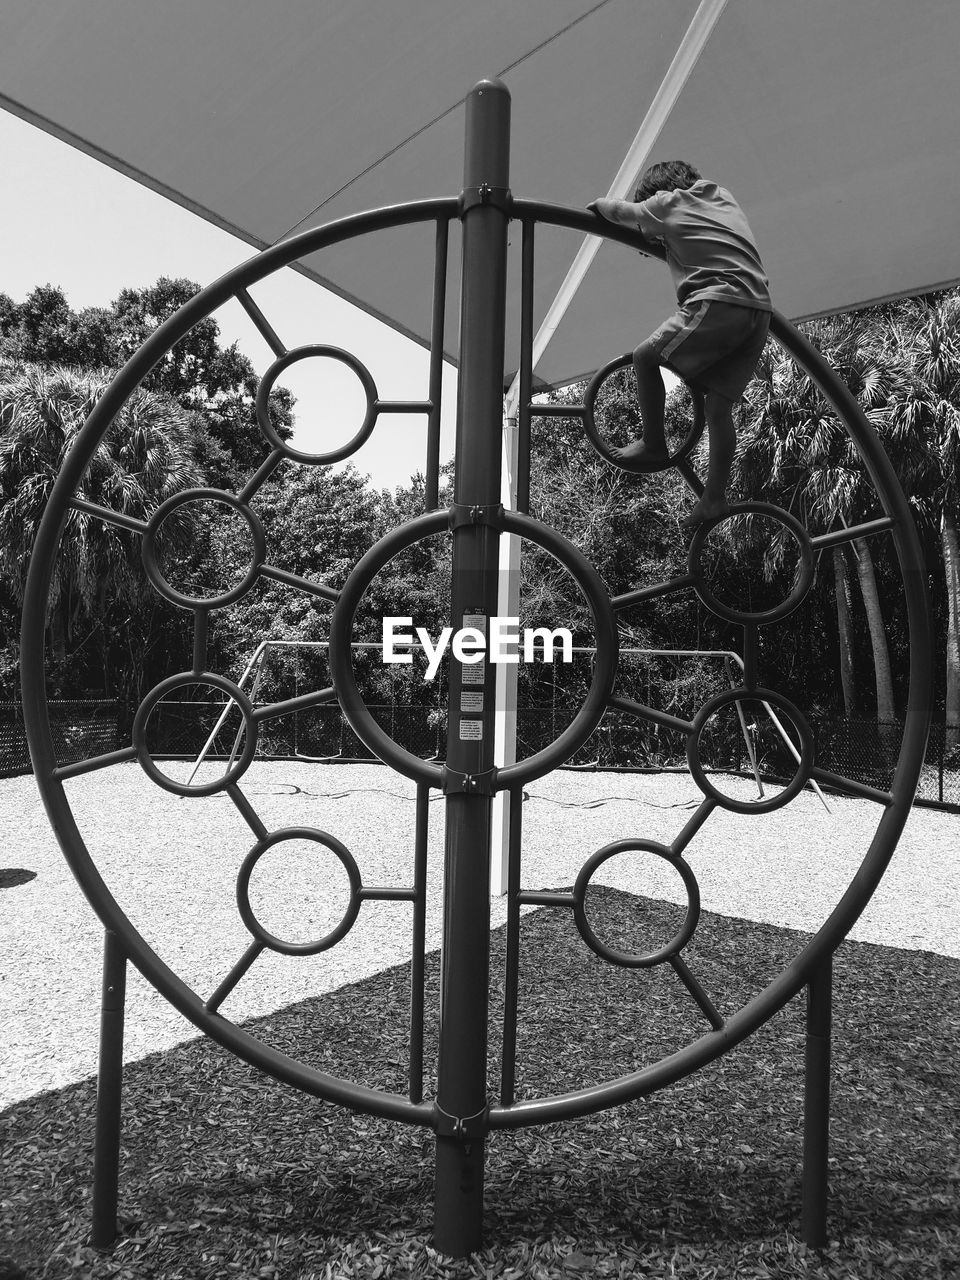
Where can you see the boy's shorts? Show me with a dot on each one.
(714, 346)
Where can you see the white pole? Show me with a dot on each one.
(257, 654)
(685, 59)
(505, 706)
(678, 73)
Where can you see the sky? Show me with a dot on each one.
(72, 221)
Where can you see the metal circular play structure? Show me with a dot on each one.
(460, 1113)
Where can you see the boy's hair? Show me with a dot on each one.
(668, 175)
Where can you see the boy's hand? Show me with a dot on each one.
(594, 207)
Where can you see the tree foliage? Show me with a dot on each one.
(217, 385)
(193, 422)
(901, 362)
(98, 586)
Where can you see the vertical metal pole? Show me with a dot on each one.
(515, 485)
(816, 1105)
(432, 485)
(462, 1064)
(106, 1148)
(508, 1072)
(417, 965)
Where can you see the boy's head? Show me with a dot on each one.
(668, 175)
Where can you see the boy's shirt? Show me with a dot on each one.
(710, 248)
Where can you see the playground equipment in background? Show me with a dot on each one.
(461, 1114)
(256, 666)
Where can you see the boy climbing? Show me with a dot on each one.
(716, 337)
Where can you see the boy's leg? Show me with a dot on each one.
(723, 443)
(651, 396)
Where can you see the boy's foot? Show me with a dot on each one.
(640, 454)
(706, 509)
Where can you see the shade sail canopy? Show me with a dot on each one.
(835, 125)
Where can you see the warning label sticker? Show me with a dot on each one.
(471, 700)
(471, 730)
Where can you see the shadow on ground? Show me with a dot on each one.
(228, 1173)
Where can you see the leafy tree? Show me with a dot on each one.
(318, 523)
(216, 384)
(795, 451)
(627, 525)
(922, 335)
(98, 583)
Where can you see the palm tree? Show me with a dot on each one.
(795, 451)
(926, 413)
(145, 456)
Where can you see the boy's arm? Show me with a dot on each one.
(621, 212)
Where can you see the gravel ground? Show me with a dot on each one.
(172, 865)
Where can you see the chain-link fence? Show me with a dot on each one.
(861, 750)
(81, 728)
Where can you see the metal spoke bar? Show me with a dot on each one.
(629, 598)
(699, 817)
(386, 893)
(260, 476)
(693, 481)
(851, 532)
(234, 976)
(403, 406)
(545, 898)
(108, 515)
(247, 811)
(201, 628)
(95, 762)
(650, 713)
(707, 1006)
(851, 787)
(750, 646)
(557, 410)
(300, 584)
(265, 329)
(291, 705)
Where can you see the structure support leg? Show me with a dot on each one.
(816, 1111)
(106, 1151)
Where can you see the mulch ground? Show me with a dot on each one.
(228, 1174)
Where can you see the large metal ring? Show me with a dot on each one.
(535, 766)
(647, 1079)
